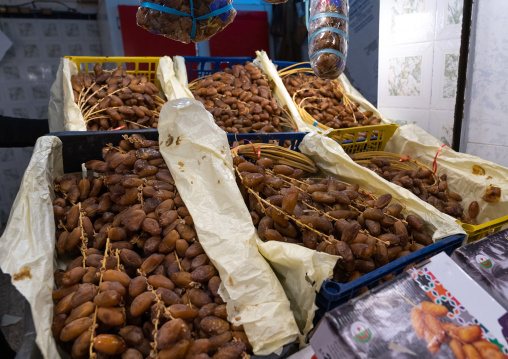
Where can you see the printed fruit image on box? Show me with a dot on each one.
(465, 342)
(433, 311)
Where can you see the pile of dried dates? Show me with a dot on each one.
(240, 100)
(329, 216)
(323, 100)
(428, 188)
(139, 284)
(112, 99)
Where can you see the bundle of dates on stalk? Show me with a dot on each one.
(328, 215)
(435, 192)
(140, 284)
(110, 99)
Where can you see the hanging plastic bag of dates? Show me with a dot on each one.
(328, 37)
(276, 2)
(186, 20)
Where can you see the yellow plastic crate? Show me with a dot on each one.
(482, 230)
(134, 65)
(352, 142)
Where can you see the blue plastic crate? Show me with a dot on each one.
(199, 66)
(82, 146)
(333, 294)
(277, 138)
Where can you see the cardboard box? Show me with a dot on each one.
(383, 324)
(486, 261)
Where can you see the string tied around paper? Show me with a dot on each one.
(405, 158)
(194, 19)
(434, 164)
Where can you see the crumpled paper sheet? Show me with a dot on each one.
(301, 271)
(198, 156)
(283, 97)
(279, 92)
(291, 262)
(29, 238)
(419, 145)
(333, 161)
(172, 76)
(63, 113)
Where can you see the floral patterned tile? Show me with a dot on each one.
(445, 73)
(31, 51)
(95, 50)
(448, 19)
(404, 116)
(49, 29)
(40, 92)
(9, 55)
(17, 93)
(41, 112)
(26, 29)
(6, 154)
(72, 29)
(34, 73)
(406, 21)
(6, 28)
(54, 69)
(92, 30)
(20, 112)
(405, 75)
(441, 125)
(405, 7)
(450, 75)
(454, 12)
(75, 49)
(53, 50)
(11, 73)
(11, 174)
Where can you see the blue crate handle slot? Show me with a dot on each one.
(194, 19)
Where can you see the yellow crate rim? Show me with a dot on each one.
(78, 60)
(476, 232)
(367, 143)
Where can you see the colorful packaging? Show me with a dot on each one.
(433, 311)
(486, 261)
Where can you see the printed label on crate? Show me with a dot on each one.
(429, 312)
(486, 261)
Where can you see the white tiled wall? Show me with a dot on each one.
(419, 42)
(485, 127)
(27, 72)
